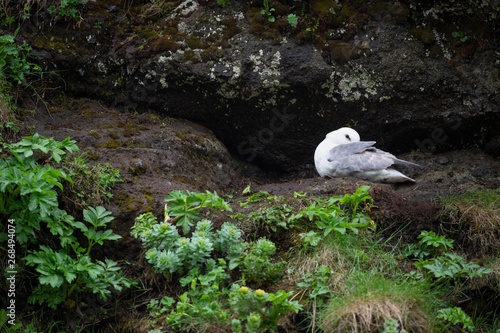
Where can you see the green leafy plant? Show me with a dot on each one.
(27, 188)
(62, 275)
(450, 266)
(259, 310)
(256, 197)
(13, 64)
(255, 263)
(456, 316)
(292, 20)
(223, 3)
(391, 325)
(209, 301)
(428, 245)
(460, 35)
(27, 195)
(184, 206)
(312, 27)
(67, 8)
(272, 218)
(310, 239)
(267, 11)
(91, 185)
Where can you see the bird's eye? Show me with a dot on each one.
(347, 136)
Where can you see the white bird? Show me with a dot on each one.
(342, 154)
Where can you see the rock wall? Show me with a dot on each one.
(410, 75)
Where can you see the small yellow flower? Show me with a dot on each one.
(200, 233)
(151, 253)
(233, 231)
(163, 225)
(244, 290)
(184, 240)
(260, 292)
(254, 318)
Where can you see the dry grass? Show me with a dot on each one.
(369, 315)
(370, 299)
(479, 213)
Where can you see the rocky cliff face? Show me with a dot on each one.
(410, 75)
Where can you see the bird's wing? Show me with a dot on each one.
(359, 156)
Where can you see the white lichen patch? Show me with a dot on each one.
(267, 66)
(185, 8)
(352, 85)
(440, 42)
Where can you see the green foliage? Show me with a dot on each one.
(329, 217)
(256, 197)
(63, 274)
(456, 316)
(91, 184)
(27, 188)
(292, 20)
(13, 64)
(209, 301)
(256, 264)
(267, 11)
(310, 239)
(460, 35)
(450, 267)
(184, 205)
(316, 283)
(259, 310)
(312, 27)
(272, 217)
(391, 325)
(170, 253)
(67, 8)
(428, 245)
(28, 196)
(223, 3)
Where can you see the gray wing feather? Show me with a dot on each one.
(360, 156)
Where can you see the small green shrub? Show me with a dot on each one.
(183, 206)
(450, 267)
(62, 274)
(223, 3)
(268, 12)
(28, 196)
(456, 316)
(209, 302)
(13, 64)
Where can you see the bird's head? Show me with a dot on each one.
(343, 135)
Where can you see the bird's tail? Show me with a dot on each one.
(403, 162)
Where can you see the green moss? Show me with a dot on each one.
(112, 144)
(232, 28)
(212, 53)
(189, 56)
(166, 43)
(130, 128)
(150, 200)
(94, 134)
(113, 135)
(194, 42)
(105, 126)
(424, 34)
(128, 203)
